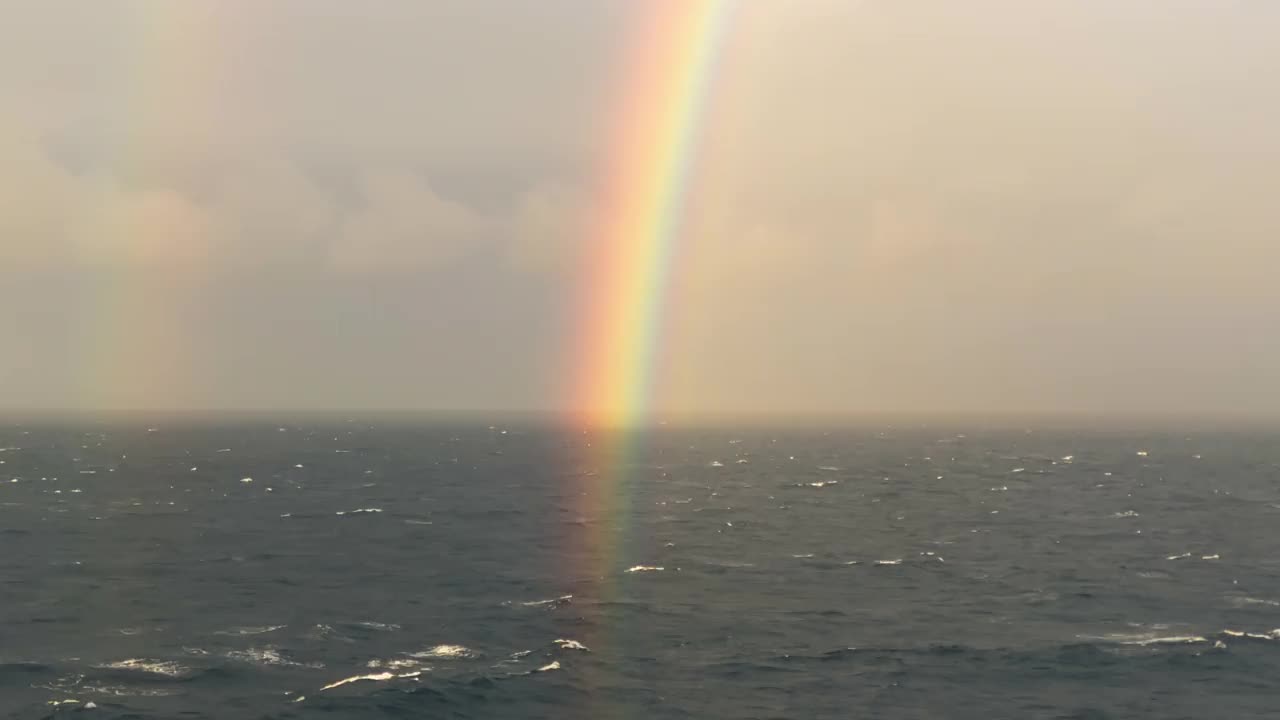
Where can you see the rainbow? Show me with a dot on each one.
(136, 351)
(665, 91)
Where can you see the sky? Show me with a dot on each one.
(929, 206)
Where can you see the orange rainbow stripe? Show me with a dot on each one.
(665, 88)
(665, 91)
(135, 353)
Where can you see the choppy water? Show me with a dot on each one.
(358, 570)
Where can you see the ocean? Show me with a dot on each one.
(331, 568)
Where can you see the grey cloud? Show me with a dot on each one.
(989, 205)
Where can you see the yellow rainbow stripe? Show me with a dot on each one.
(135, 353)
(665, 90)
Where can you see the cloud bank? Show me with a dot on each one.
(994, 206)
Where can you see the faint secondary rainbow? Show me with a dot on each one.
(664, 93)
(136, 350)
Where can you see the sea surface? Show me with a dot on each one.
(358, 569)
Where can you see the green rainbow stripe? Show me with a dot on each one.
(665, 91)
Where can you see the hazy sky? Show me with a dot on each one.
(1010, 205)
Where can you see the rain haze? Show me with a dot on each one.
(601, 359)
(987, 206)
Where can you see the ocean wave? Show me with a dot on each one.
(268, 656)
(1269, 635)
(1148, 639)
(1153, 638)
(251, 630)
(375, 677)
(23, 672)
(128, 691)
(1087, 650)
(550, 602)
(564, 644)
(446, 652)
(166, 668)
(372, 677)
(395, 664)
(1254, 601)
(321, 631)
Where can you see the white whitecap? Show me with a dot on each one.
(552, 601)
(251, 630)
(445, 652)
(1144, 639)
(267, 656)
(376, 677)
(168, 668)
(571, 645)
(1168, 640)
(1255, 601)
(645, 568)
(128, 691)
(1273, 635)
(393, 664)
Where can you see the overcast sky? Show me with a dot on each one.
(989, 205)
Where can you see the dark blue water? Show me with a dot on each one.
(476, 572)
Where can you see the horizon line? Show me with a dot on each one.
(820, 418)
